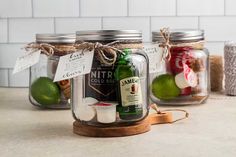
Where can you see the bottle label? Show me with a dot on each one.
(130, 91)
(100, 82)
(179, 55)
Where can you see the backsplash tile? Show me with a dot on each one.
(56, 8)
(9, 53)
(200, 7)
(19, 79)
(71, 25)
(219, 28)
(174, 22)
(152, 7)
(20, 20)
(3, 77)
(103, 7)
(15, 8)
(128, 23)
(3, 30)
(24, 30)
(215, 48)
(230, 7)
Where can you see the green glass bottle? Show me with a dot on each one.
(129, 92)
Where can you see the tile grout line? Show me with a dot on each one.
(224, 7)
(54, 25)
(198, 21)
(32, 8)
(8, 78)
(8, 31)
(150, 28)
(101, 23)
(127, 8)
(233, 16)
(80, 8)
(176, 8)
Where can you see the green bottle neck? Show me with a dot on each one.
(125, 57)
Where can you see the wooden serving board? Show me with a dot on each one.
(118, 131)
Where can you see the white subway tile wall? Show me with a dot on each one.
(103, 8)
(15, 8)
(200, 7)
(24, 30)
(19, 79)
(138, 23)
(55, 8)
(71, 25)
(152, 7)
(20, 20)
(174, 22)
(4, 78)
(3, 30)
(9, 54)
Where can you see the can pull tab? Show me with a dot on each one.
(165, 116)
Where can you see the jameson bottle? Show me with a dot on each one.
(129, 91)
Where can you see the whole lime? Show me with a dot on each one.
(45, 91)
(164, 87)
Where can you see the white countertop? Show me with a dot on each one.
(26, 131)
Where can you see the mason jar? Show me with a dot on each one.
(43, 92)
(184, 76)
(115, 93)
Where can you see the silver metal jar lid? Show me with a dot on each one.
(108, 35)
(55, 38)
(180, 35)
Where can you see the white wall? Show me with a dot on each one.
(21, 19)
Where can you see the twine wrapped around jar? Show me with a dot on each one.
(230, 68)
(51, 49)
(167, 44)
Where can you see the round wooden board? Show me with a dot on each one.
(118, 131)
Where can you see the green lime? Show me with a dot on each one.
(164, 87)
(45, 91)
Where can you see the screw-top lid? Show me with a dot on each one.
(109, 35)
(177, 35)
(55, 38)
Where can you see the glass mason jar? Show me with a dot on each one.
(117, 93)
(43, 92)
(184, 76)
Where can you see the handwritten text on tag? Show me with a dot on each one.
(74, 64)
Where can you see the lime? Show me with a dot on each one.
(45, 91)
(164, 87)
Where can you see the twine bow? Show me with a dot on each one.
(166, 45)
(106, 54)
(47, 49)
(155, 107)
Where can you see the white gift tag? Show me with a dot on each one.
(73, 65)
(154, 53)
(25, 61)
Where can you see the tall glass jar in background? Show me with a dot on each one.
(117, 93)
(43, 92)
(184, 79)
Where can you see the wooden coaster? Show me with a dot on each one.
(118, 131)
